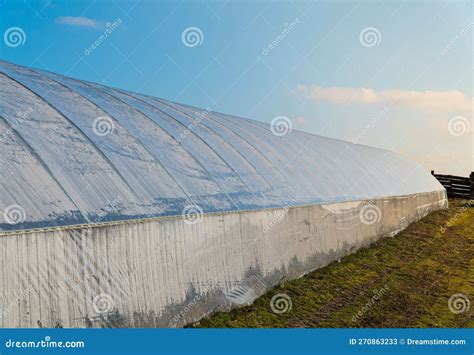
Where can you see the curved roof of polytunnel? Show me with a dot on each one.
(74, 152)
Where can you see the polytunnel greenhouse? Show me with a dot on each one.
(122, 209)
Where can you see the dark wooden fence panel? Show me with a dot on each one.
(457, 186)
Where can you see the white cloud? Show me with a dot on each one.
(432, 101)
(77, 21)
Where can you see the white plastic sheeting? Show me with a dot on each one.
(167, 273)
(157, 157)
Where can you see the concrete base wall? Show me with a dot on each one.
(171, 272)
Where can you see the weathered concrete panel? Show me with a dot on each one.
(170, 272)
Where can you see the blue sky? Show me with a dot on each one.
(391, 74)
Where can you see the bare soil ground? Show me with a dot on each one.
(402, 281)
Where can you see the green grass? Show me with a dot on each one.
(414, 273)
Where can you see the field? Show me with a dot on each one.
(422, 277)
